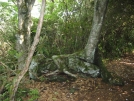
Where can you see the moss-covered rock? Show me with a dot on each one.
(68, 63)
(74, 62)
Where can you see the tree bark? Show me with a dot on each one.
(24, 30)
(17, 80)
(100, 7)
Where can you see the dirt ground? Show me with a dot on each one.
(92, 89)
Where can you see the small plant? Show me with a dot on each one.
(34, 94)
(4, 96)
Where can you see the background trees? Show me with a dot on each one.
(118, 28)
(59, 36)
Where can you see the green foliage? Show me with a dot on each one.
(5, 95)
(117, 33)
(66, 27)
(8, 28)
(21, 93)
(34, 93)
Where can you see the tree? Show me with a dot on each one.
(100, 8)
(17, 80)
(24, 30)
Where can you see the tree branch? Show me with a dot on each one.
(17, 80)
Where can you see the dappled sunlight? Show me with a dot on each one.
(21, 39)
(127, 63)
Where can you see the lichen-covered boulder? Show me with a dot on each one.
(76, 63)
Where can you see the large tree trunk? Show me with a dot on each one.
(24, 30)
(100, 7)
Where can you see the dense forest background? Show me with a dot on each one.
(66, 27)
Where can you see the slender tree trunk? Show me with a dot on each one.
(17, 80)
(24, 26)
(100, 7)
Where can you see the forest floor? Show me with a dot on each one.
(92, 89)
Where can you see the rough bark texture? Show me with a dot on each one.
(99, 13)
(24, 30)
(17, 80)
